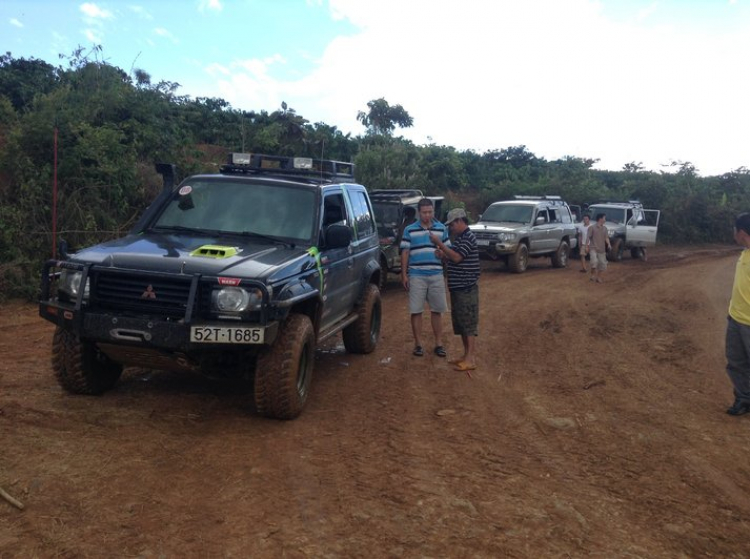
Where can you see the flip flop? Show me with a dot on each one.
(440, 351)
(464, 367)
(418, 351)
(455, 361)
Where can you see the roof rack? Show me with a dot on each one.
(628, 202)
(396, 192)
(256, 163)
(544, 197)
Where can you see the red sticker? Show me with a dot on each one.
(185, 190)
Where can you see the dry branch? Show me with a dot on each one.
(11, 500)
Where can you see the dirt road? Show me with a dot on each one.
(594, 426)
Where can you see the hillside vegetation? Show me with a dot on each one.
(110, 127)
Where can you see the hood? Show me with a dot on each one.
(498, 226)
(181, 253)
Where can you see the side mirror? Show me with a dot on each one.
(338, 236)
(540, 220)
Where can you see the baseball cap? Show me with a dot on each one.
(454, 214)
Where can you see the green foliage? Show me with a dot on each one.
(112, 128)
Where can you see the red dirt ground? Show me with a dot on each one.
(594, 426)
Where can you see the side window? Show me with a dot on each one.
(334, 210)
(554, 215)
(364, 224)
(541, 214)
(565, 214)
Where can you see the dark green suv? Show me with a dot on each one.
(244, 271)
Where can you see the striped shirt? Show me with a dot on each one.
(422, 259)
(465, 274)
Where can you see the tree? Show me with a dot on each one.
(381, 118)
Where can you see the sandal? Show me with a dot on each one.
(463, 366)
(418, 351)
(440, 351)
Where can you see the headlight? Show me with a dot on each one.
(70, 283)
(236, 299)
(506, 236)
(611, 232)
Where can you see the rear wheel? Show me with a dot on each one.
(362, 335)
(284, 371)
(615, 250)
(638, 253)
(519, 261)
(80, 367)
(560, 258)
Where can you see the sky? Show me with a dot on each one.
(620, 81)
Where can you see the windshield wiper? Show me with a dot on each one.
(261, 236)
(182, 228)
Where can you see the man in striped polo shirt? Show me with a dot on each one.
(463, 274)
(422, 274)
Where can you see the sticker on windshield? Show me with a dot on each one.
(185, 190)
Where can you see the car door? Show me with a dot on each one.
(363, 240)
(642, 228)
(538, 241)
(336, 262)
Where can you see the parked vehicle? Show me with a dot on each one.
(630, 226)
(526, 227)
(394, 210)
(229, 274)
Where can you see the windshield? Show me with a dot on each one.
(388, 217)
(238, 207)
(508, 213)
(614, 215)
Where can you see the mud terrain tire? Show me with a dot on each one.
(615, 250)
(284, 371)
(519, 261)
(560, 258)
(80, 367)
(362, 335)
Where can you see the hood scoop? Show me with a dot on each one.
(215, 251)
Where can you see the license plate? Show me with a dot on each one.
(226, 335)
(483, 243)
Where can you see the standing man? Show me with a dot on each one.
(738, 322)
(583, 240)
(422, 275)
(463, 274)
(598, 241)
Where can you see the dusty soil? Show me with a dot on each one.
(594, 426)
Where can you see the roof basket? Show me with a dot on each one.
(396, 192)
(255, 163)
(554, 200)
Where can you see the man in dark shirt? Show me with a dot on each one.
(462, 259)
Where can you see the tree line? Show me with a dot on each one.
(110, 127)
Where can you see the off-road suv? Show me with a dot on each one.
(527, 226)
(393, 211)
(226, 274)
(630, 227)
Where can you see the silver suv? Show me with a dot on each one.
(630, 227)
(527, 226)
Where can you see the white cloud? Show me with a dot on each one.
(93, 35)
(14, 22)
(141, 12)
(161, 32)
(93, 11)
(213, 5)
(560, 77)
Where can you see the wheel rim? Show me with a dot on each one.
(563, 257)
(524, 259)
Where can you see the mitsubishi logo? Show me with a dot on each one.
(149, 293)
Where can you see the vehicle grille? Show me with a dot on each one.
(482, 236)
(146, 294)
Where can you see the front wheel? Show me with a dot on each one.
(362, 335)
(283, 372)
(80, 368)
(560, 258)
(615, 250)
(519, 261)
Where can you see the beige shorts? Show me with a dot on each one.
(598, 259)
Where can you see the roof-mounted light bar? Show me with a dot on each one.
(284, 165)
